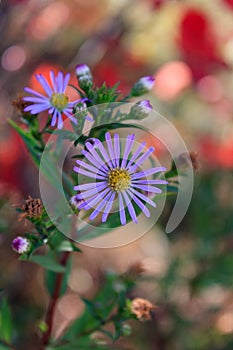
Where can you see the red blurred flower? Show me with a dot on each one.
(216, 154)
(13, 160)
(199, 43)
(229, 3)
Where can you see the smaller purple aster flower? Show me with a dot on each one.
(116, 175)
(142, 86)
(141, 109)
(55, 101)
(21, 245)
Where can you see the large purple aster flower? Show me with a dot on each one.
(55, 101)
(117, 176)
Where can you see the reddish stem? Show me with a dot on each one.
(53, 301)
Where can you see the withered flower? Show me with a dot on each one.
(32, 208)
(142, 308)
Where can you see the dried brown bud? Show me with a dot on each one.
(20, 104)
(184, 159)
(142, 308)
(135, 270)
(32, 208)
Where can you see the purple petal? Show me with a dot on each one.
(150, 182)
(121, 209)
(36, 108)
(110, 148)
(139, 204)
(92, 150)
(108, 207)
(148, 188)
(148, 172)
(66, 81)
(54, 118)
(30, 91)
(52, 77)
(92, 192)
(130, 207)
(36, 99)
(60, 121)
(136, 154)
(104, 153)
(87, 173)
(44, 84)
(60, 82)
(141, 196)
(94, 161)
(128, 147)
(84, 187)
(100, 206)
(96, 199)
(90, 167)
(117, 149)
(141, 159)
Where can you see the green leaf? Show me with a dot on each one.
(32, 145)
(99, 131)
(47, 262)
(6, 326)
(4, 346)
(51, 277)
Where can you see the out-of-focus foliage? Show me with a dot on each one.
(188, 47)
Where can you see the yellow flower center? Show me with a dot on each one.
(119, 179)
(60, 101)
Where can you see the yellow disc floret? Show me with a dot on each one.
(59, 101)
(119, 179)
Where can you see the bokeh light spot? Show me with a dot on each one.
(13, 58)
(171, 79)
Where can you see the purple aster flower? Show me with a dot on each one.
(21, 245)
(142, 86)
(141, 109)
(55, 101)
(116, 175)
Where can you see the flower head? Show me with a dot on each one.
(142, 86)
(32, 208)
(117, 176)
(55, 100)
(21, 245)
(141, 109)
(142, 309)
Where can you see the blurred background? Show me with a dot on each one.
(188, 46)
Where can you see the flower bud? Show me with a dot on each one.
(75, 202)
(81, 70)
(141, 109)
(84, 76)
(142, 86)
(21, 245)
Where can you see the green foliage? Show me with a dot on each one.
(6, 324)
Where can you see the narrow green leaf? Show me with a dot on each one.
(5, 321)
(47, 262)
(32, 144)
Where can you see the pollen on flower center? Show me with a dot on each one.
(59, 100)
(119, 179)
